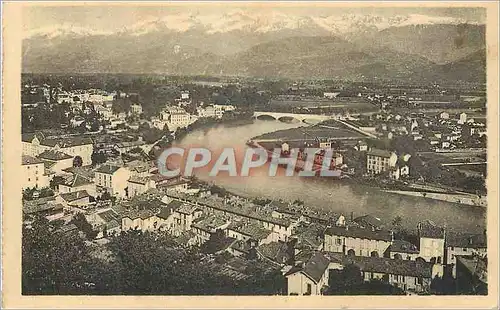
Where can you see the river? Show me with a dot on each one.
(334, 195)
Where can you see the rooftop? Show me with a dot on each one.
(314, 268)
(379, 153)
(428, 229)
(462, 240)
(357, 232)
(69, 197)
(28, 160)
(54, 155)
(403, 246)
(108, 169)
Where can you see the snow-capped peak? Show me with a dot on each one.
(63, 30)
(251, 21)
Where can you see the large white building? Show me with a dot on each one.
(378, 161)
(33, 173)
(176, 117)
(35, 144)
(113, 179)
(356, 241)
(431, 242)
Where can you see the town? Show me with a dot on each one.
(93, 191)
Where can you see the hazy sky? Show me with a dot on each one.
(110, 18)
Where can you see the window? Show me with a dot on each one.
(339, 241)
(465, 249)
(29, 179)
(309, 289)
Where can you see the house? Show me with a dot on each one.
(166, 215)
(136, 109)
(138, 185)
(444, 115)
(113, 179)
(144, 220)
(184, 217)
(309, 278)
(401, 249)
(33, 173)
(74, 201)
(203, 228)
(107, 222)
(431, 242)
(251, 231)
(462, 118)
(357, 241)
(361, 146)
(31, 142)
(56, 161)
(105, 112)
(76, 183)
(176, 117)
(408, 275)
(47, 207)
(461, 244)
(378, 161)
(275, 252)
(74, 146)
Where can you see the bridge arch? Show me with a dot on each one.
(265, 117)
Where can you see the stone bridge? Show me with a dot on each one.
(284, 117)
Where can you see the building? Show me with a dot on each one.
(460, 244)
(74, 201)
(431, 242)
(33, 173)
(176, 117)
(444, 115)
(144, 220)
(112, 179)
(76, 183)
(356, 241)
(203, 228)
(56, 161)
(34, 145)
(138, 185)
(408, 275)
(136, 109)
(401, 249)
(309, 278)
(184, 217)
(462, 118)
(378, 161)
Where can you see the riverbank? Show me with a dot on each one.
(463, 199)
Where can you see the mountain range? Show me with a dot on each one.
(278, 45)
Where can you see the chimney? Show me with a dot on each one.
(352, 215)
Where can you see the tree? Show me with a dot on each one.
(77, 161)
(81, 222)
(98, 158)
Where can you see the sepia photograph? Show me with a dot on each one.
(253, 149)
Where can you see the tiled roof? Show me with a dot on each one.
(139, 180)
(54, 155)
(276, 251)
(379, 153)
(108, 169)
(28, 160)
(386, 265)
(78, 180)
(315, 267)
(66, 142)
(253, 230)
(187, 208)
(428, 229)
(461, 240)
(403, 246)
(368, 221)
(108, 215)
(357, 232)
(69, 197)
